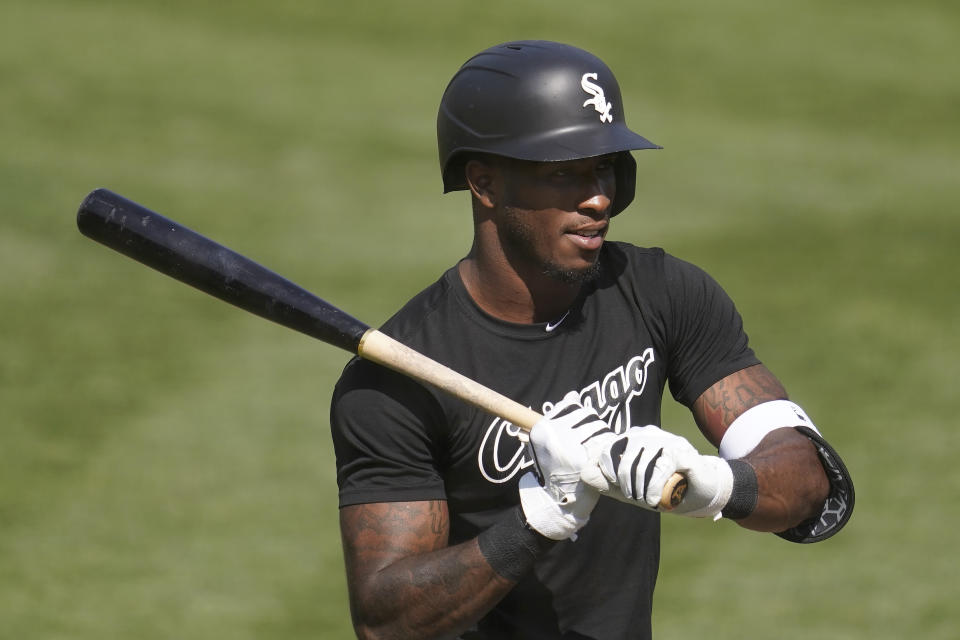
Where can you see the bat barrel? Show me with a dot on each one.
(183, 254)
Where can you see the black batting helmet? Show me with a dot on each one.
(536, 100)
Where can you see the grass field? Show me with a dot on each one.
(167, 467)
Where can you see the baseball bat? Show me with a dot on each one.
(187, 256)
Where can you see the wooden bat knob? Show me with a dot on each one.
(673, 492)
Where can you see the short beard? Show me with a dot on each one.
(516, 235)
(569, 276)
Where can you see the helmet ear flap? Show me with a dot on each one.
(625, 171)
(454, 173)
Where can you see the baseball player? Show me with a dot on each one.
(457, 524)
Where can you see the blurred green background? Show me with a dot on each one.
(167, 470)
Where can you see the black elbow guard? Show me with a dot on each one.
(838, 506)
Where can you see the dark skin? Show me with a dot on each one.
(538, 228)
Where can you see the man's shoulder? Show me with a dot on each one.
(650, 262)
(407, 325)
(624, 261)
(422, 309)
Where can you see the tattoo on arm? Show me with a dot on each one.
(403, 576)
(719, 406)
(439, 523)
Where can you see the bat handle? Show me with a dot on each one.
(673, 492)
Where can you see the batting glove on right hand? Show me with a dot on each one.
(642, 461)
(558, 500)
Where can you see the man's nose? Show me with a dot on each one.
(597, 198)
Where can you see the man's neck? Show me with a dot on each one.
(521, 298)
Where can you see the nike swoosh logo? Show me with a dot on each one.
(553, 325)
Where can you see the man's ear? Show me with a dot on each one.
(482, 180)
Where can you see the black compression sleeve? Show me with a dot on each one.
(511, 546)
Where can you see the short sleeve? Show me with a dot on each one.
(384, 435)
(705, 336)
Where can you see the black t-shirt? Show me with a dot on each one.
(649, 320)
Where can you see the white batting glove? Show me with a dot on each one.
(709, 486)
(557, 501)
(553, 519)
(642, 461)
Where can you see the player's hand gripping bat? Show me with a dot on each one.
(168, 247)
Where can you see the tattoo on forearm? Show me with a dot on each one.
(402, 574)
(439, 522)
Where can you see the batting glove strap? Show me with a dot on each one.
(710, 485)
(511, 546)
(557, 517)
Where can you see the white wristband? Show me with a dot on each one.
(746, 432)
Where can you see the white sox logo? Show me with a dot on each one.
(502, 455)
(599, 101)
